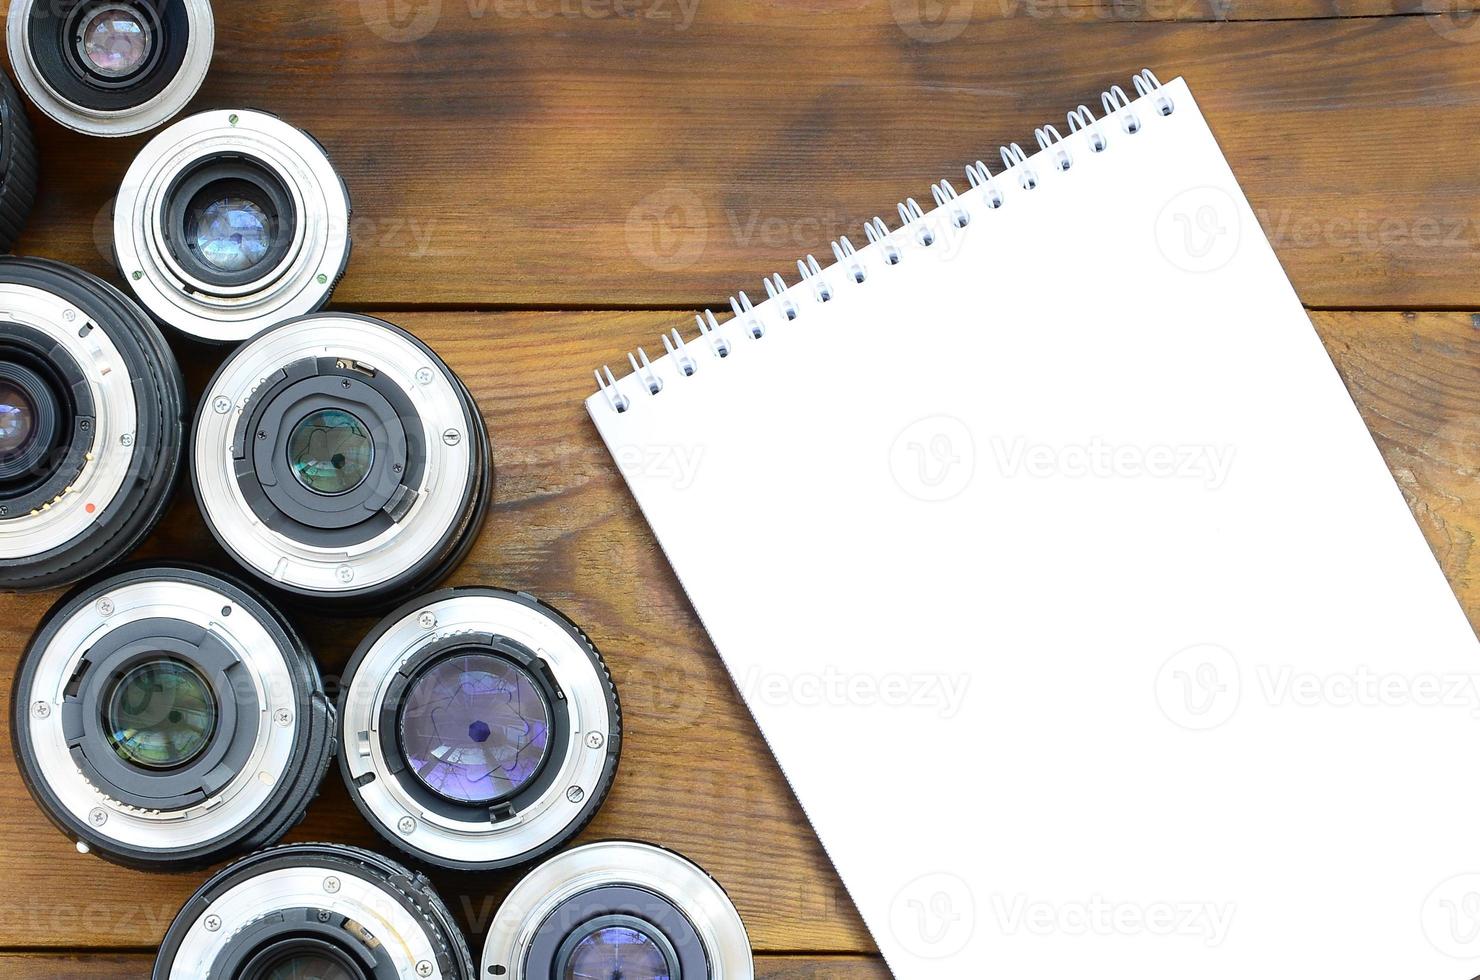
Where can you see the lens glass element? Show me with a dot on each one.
(116, 41)
(474, 728)
(232, 234)
(331, 451)
(617, 953)
(160, 714)
(17, 420)
(308, 966)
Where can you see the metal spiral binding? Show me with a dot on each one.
(1115, 103)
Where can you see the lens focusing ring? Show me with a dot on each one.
(401, 527)
(666, 911)
(358, 910)
(119, 403)
(265, 753)
(47, 41)
(230, 222)
(18, 165)
(514, 701)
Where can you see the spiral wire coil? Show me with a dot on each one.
(1114, 101)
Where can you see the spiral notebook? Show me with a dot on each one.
(1067, 585)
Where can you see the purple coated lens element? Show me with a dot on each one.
(617, 953)
(475, 728)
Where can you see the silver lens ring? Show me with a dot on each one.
(229, 222)
(365, 398)
(166, 717)
(479, 728)
(48, 42)
(315, 910)
(100, 412)
(656, 912)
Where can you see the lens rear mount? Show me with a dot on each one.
(339, 459)
(110, 67)
(480, 729)
(339, 910)
(105, 406)
(167, 717)
(230, 222)
(631, 908)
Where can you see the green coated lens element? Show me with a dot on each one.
(331, 452)
(160, 714)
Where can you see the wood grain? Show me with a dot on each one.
(134, 966)
(641, 153)
(694, 775)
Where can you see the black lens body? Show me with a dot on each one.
(64, 425)
(100, 698)
(279, 939)
(18, 165)
(656, 935)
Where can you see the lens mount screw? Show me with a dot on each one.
(98, 816)
(424, 968)
(427, 620)
(222, 404)
(69, 315)
(233, 119)
(41, 709)
(345, 574)
(424, 376)
(283, 717)
(105, 606)
(406, 825)
(331, 884)
(137, 274)
(575, 794)
(452, 437)
(213, 923)
(322, 279)
(595, 740)
(127, 439)
(323, 915)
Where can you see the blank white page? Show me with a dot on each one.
(1071, 593)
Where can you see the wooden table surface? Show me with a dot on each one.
(541, 185)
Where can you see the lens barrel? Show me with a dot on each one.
(618, 908)
(18, 165)
(167, 717)
(110, 67)
(315, 910)
(338, 459)
(230, 222)
(479, 729)
(96, 424)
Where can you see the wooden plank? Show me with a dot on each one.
(695, 775)
(132, 966)
(590, 160)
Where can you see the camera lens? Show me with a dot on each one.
(91, 424)
(618, 910)
(168, 717)
(315, 912)
(230, 222)
(479, 728)
(18, 166)
(338, 458)
(111, 67)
